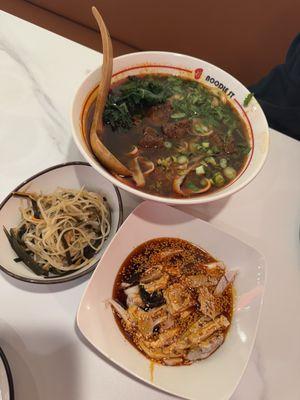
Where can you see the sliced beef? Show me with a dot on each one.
(151, 139)
(216, 140)
(177, 129)
(229, 145)
(160, 114)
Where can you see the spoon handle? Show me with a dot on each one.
(99, 149)
(106, 74)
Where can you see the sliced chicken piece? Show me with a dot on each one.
(188, 268)
(146, 321)
(151, 274)
(133, 296)
(224, 282)
(154, 354)
(206, 347)
(163, 255)
(164, 339)
(182, 344)
(195, 281)
(209, 304)
(158, 284)
(185, 314)
(172, 270)
(173, 361)
(167, 323)
(213, 268)
(197, 325)
(194, 335)
(164, 353)
(142, 320)
(178, 298)
(215, 264)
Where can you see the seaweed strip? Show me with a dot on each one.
(36, 211)
(68, 255)
(22, 254)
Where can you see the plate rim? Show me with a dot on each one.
(31, 178)
(8, 374)
(152, 384)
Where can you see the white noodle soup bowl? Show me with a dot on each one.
(186, 67)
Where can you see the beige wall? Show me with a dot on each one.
(245, 38)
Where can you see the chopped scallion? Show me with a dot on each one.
(211, 161)
(229, 172)
(223, 163)
(200, 170)
(247, 100)
(178, 115)
(182, 159)
(167, 145)
(218, 179)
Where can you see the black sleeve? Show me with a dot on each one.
(279, 93)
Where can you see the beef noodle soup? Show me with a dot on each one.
(178, 137)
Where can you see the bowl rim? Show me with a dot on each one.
(220, 194)
(8, 374)
(69, 277)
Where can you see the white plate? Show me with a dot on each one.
(6, 383)
(71, 175)
(215, 378)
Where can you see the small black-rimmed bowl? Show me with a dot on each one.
(72, 175)
(6, 380)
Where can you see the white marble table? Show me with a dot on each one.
(39, 72)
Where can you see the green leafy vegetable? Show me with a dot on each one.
(192, 187)
(188, 98)
(243, 148)
(134, 95)
(116, 114)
